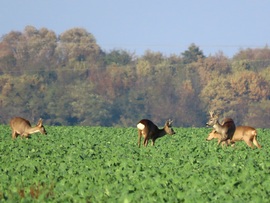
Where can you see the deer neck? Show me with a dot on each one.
(32, 130)
(218, 127)
(161, 132)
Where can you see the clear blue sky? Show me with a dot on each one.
(167, 26)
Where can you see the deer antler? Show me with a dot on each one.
(169, 122)
(212, 113)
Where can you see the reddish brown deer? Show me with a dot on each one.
(149, 130)
(22, 127)
(246, 133)
(214, 135)
(226, 129)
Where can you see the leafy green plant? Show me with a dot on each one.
(104, 164)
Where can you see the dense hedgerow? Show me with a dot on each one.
(98, 164)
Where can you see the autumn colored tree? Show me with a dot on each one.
(69, 80)
(77, 46)
(41, 46)
(188, 107)
(14, 56)
(29, 51)
(253, 59)
(234, 93)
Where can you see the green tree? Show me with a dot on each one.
(118, 57)
(258, 114)
(58, 109)
(23, 95)
(88, 108)
(193, 54)
(241, 65)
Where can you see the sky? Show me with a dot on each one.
(166, 26)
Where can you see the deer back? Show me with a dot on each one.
(244, 132)
(19, 125)
(147, 127)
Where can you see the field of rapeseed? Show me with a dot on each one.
(99, 164)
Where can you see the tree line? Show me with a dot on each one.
(69, 80)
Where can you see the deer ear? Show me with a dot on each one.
(39, 122)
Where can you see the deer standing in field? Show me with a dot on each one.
(246, 133)
(22, 127)
(226, 129)
(149, 130)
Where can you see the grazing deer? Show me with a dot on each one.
(246, 133)
(214, 135)
(149, 130)
(226, 129)
(22, 127)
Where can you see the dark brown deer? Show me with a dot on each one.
(246, 133)
(149, 130)
(22, 127)
(226, 129)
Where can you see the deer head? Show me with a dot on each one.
(213, 119)
(168, 127)
(41, 127)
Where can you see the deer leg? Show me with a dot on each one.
(24, 135)
(225, 143)
(153, 142)
(224, 139)
(249, 143)
(139, 138)
(13, 135)
(145, 142)
(222, 144)
(255, 142)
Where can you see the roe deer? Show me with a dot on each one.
(149, 130)
(226, 129)
(246, 133)
(22, 127)
(214, 135)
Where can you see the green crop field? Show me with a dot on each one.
(99, 164)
